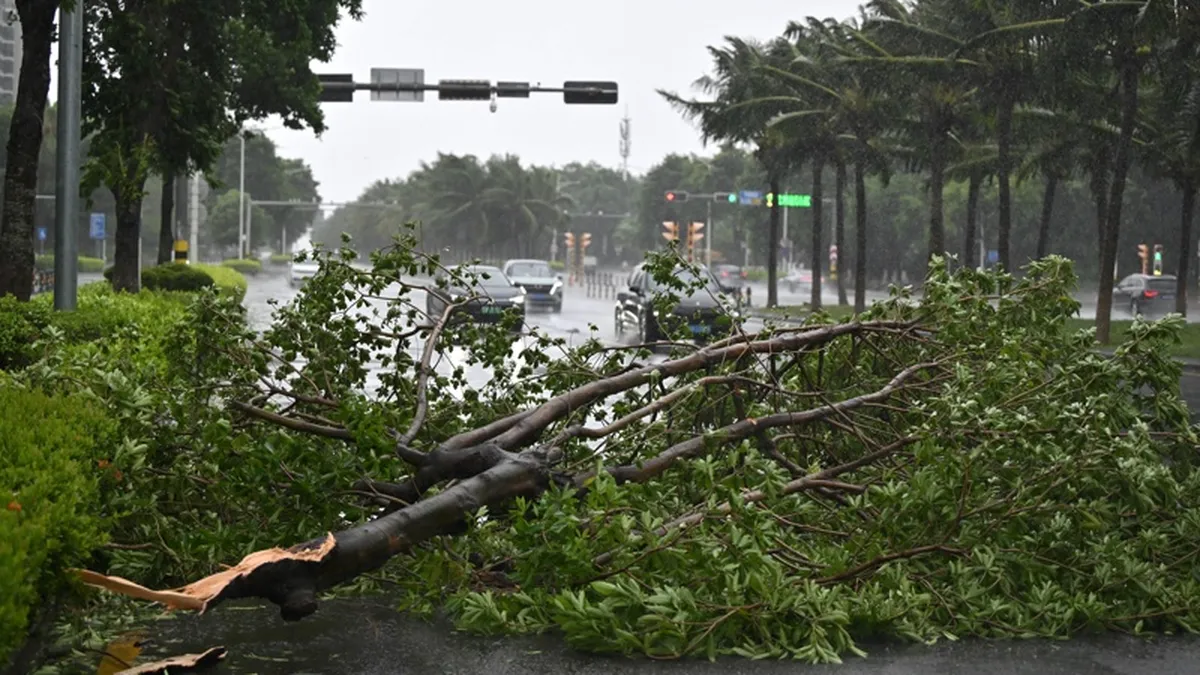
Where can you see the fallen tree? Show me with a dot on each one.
(962, 467)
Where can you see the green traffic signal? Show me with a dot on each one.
(1158, 256)
(733, 198)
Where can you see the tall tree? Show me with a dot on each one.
(738, 79)
(170, 81)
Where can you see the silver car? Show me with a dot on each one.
(543, 287)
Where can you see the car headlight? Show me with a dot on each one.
(556, 287)
(519, 300)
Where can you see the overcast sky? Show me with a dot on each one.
(641, 44)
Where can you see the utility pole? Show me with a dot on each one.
(243, 235)
(194, 217)
(66, 213)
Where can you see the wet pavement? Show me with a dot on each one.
(368, 636)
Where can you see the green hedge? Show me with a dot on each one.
(50, 491)
(175, 277)
(558, 265)
(99, 314)
(86, 265)
(244, 265)
(224, 278)
(227, 279)
(281, 259)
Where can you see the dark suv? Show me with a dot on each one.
(700, 311)
(1146, 294)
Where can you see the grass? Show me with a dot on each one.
(1188, 348)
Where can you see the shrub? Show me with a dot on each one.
(280, 259)
(243, 265)
(175, 277)
(86, 265)
(99, 315)
(21, 323)
(227, 279)
(50, 488)
(557, 265)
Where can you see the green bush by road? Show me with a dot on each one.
(244, 265)
(50, 505)
(280, 259)
(86, 265)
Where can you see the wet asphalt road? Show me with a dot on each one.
(369, 636)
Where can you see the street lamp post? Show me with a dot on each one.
(70, 93)
(243, 233)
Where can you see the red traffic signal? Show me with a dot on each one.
(677, 196)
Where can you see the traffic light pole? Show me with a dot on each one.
(708, 238)
(408, 84)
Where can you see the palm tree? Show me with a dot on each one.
(856, 110)
(454, 206)
(1119, 36)
(737, 78)
(929, 85)
(525, 203)
(1172, 130)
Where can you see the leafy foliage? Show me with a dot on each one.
(51, 484)
(964, 466)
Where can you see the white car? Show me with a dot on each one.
(299, 272)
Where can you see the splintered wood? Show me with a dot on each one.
(198, 594)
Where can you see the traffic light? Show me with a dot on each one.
(730, 197)
(585, 240)
(464, 90)
(570, 237)
(671, 231)
(1144, 254)
(603, 93)
(1158, 251)
(675, 196)
(337, 88)
(694, 236)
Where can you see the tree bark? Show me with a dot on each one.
(1043, 241)
(166, 233)
(860, 238)
(24, 147)
(839, 228)
(972, 234)
(127, 274)
(773, 234)
(1004, 116)
(1130, 70)
(1188, 189)
(818, 222)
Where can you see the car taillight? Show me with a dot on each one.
(1149, 294)
(743, 274)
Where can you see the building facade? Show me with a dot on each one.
(10, 52)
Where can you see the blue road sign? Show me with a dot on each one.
(750, 197)
(993, 257)
(97, 226)
(41, 234)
